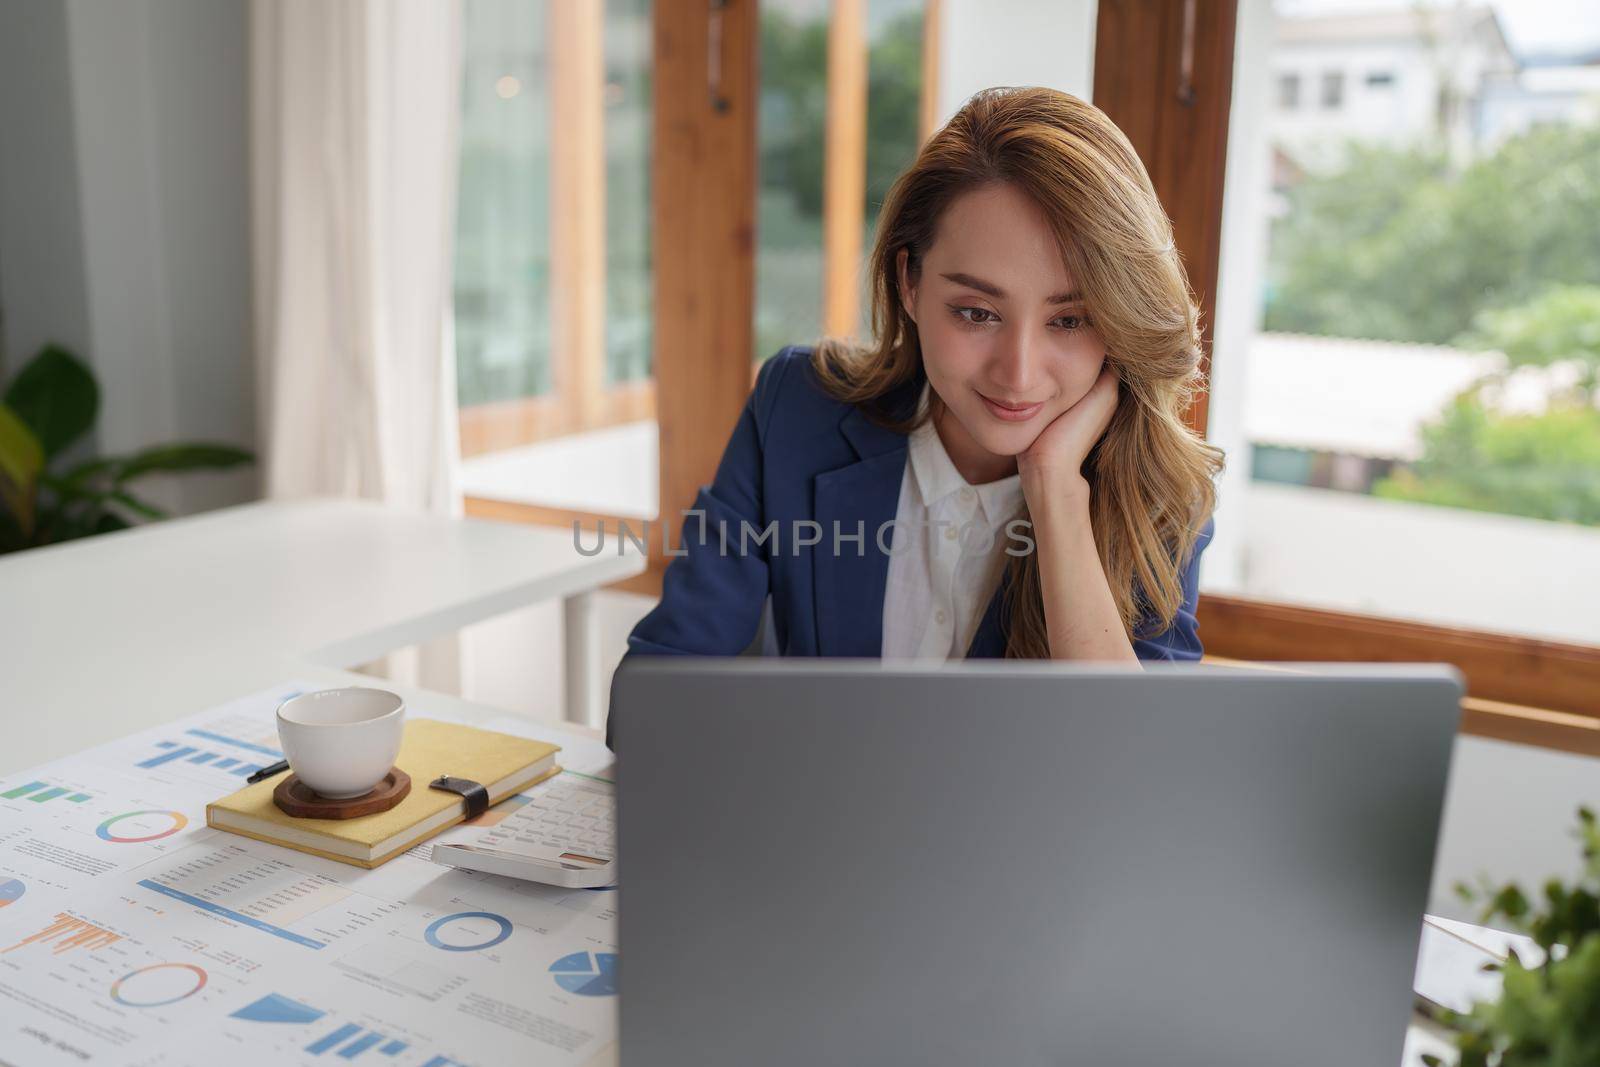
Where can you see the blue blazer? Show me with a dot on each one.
(797, 454)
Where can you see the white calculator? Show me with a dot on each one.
(563, 833)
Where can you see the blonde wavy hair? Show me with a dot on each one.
(1152, 478)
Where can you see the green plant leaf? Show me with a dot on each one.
(135, 505)
(56, 395)
(1546, 1015)
(21, 460)
(84, 472)
(183, 457)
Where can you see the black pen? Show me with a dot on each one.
(268, 771)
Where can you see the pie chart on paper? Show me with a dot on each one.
(588, 974)
(11, 889)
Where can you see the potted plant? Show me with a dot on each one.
(51, 403)
(1548, 1014)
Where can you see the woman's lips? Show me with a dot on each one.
(1012, 412)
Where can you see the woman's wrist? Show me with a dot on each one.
(1055, 497)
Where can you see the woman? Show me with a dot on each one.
(1017, 427)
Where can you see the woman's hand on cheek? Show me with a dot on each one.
(1054, 462)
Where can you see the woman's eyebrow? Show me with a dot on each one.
(998, 293)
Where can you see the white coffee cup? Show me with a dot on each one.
(341, 742)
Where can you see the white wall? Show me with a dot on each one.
(1509, 815)
(128, 237)
(42, 287)
(1358, 553)
(983, 43)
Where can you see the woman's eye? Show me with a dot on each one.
(1072, 322)
(974, 316)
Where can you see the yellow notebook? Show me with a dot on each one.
(504, 764)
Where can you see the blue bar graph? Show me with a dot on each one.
(249, 746)
(168, 756)
(441, 1061)
(338, 1037)
(79, 798)
(360, 1045)
(12, 794)
(393, 1048)
(174, 750)
(49, 794)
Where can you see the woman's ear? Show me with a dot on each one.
(908, 294)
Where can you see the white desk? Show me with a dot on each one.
(1421, 1038)
(102, 637)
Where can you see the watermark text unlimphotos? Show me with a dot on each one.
(776, 538)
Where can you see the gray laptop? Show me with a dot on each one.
(850, 863)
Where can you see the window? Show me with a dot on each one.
(841, 98)
(1332, 89)
(1288, 91)
(1380, 79)
(553, 317)
(1407, 377)
(792, 129)
(502, 268)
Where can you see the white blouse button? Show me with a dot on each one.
(940, 616)
(949, 533)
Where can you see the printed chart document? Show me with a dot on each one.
(132, 933)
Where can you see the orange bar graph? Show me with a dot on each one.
(79, 934)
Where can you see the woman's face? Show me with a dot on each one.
(1005, 340)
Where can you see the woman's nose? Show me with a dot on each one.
(1013, 365)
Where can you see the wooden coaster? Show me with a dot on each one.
(295, 798)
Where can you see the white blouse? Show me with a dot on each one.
(946, 554)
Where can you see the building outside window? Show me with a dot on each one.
(1288, 91)
(1332, 89)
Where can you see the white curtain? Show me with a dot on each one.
(355, 111)
(355, 116)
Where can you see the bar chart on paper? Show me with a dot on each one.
(297, 1028)
(350, 1041)
(237, 746)
(68, 932)
(45, 799)
(40, 792)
